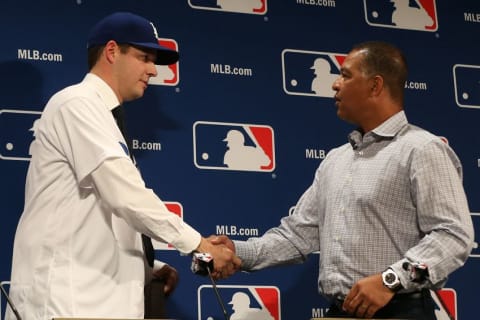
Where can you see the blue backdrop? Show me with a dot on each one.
(257, 67)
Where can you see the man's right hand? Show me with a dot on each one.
(222, 239)
(225, 262)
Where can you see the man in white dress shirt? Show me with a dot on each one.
(78, 249)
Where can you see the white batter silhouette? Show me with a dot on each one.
(163, 73)
(246, 6)
(242, 311)
(405, 16)
(242, 157)
(322, 83)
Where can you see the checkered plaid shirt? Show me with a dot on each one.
(392, 195)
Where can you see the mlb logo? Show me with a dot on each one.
(175, 208)
(240, 6)
(243, 302)
(167, 75)
(445, 304)
(476, 226)
(402, 14)
(17, 132)
(310, 73)
(466, 79)
(233, 146)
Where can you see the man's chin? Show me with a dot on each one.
(342, 116)
(135, 96)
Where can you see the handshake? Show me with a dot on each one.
(221, 257)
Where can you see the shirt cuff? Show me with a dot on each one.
(246, 252)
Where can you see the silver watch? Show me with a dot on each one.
(391, 280)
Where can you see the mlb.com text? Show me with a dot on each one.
(229, 70)
(143, 145)
(235, 231)
(413, 85)
(37, 55)
(320, 3)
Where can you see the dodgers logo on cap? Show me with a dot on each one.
(233, 146)
(466, 79)
(402, 14)
(310, 73)
(240, 302)
(17, 133)
(240, 6)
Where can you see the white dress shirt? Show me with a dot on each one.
(78, 250)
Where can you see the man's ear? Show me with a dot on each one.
(377, 85)
(111, 50)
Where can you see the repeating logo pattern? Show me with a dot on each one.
(233, 146)
(244, 302)
(310, 73)
(466, 79)
(240, 6)
(402, 14)
(175, 208)
(167, 75)
(17, 136)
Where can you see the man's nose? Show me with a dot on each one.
(152, 71)
(335, 84)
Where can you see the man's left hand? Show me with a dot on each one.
(169, 275)
(367, 296)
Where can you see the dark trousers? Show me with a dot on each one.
(418, 306)
(154, 300)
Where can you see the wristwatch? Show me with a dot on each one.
(391, 280)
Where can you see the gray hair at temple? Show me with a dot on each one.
(386, 60)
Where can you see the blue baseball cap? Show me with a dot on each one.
(129, 28)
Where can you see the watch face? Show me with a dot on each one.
(390, 277)
(391, 280)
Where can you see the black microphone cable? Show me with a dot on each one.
(217, 294)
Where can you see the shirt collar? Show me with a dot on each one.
(392, 125)
(103, 90)
(387, 130)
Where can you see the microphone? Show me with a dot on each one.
(10, 303)
(202, 264)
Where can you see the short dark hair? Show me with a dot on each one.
(94, 53)
(386, 60)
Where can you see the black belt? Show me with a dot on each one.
(409, 295)
(398, 296)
